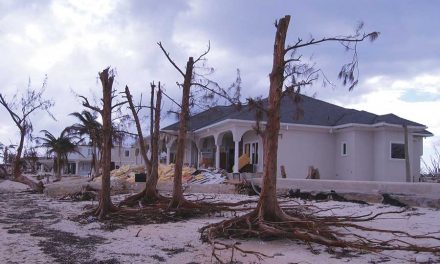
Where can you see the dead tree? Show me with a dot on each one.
(20, 110)
(108, 94)
(433, 168)
(149, 194)
(177, 199)
(268, 219)
(207, 91)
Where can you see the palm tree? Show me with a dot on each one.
(60, 146)
(89, 126)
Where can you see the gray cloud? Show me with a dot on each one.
(71, 42)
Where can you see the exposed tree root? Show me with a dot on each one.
(331, 231)
(144, 198)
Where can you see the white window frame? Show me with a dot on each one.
(125, 153)
(250, 151)
(342, 149)
(391, 150)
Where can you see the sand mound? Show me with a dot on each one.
(11, 186)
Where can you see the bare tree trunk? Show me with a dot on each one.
(177, 197)
(149, 193)
(105, 203)
(142, 144)
(58, 167)
(268, 206)
(151, 184)
(407, 158)
(17, 160)
(18, 176)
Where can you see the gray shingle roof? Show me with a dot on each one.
(315, 112)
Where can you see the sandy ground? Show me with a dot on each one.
(38, 229)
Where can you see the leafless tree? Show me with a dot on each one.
(268, 219)
(150, 193)
(206, 90)
(108, 95)
(432, 167)
(20, 108)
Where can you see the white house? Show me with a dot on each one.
(344, 144)
(80, 163)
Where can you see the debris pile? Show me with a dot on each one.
(166, 173)
(126, 174)
(204, 176)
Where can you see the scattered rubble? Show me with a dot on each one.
(126, 175)
(204, 176)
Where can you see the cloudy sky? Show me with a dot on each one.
(71, 41)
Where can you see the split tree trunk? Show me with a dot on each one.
(268, 206)
(149, 193)
(151, 184)
(177, 197)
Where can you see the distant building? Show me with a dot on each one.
(81, 163)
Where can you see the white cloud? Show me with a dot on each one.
(385, 97)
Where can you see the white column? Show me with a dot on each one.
(217, 156)
(236, 156)
(168, 155)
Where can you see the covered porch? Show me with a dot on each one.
(233, 149)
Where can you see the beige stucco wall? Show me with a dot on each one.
(298, 149)
(368, 147)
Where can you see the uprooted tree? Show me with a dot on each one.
(149, 194)
(268, 219)
(20, 108)
(106, 77)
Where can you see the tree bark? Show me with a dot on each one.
(142, 144)
(105, 203)
(17, 160)
(268, 206)
(151, 184)
(58, 167)
(177, 197)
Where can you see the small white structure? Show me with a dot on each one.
(81, 163)
(344, 144)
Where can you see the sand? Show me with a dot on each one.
(38, 229)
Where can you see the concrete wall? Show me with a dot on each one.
(190, 156)
(84, 153)
(363, 155)
(386, 168)
(298, 149)
(368, 152)
(344, 165)
(418, 153)
(368, 187)
(119, 156)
